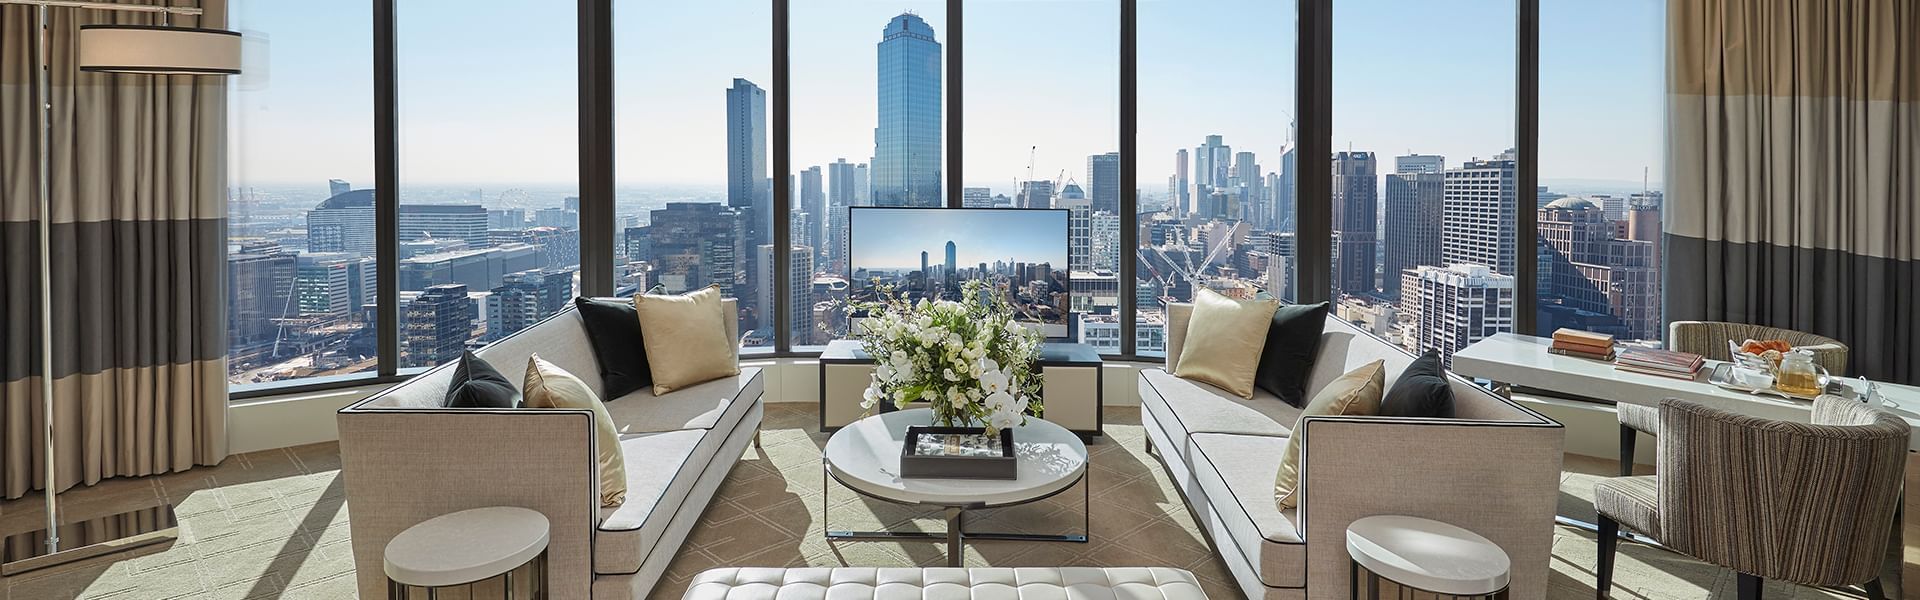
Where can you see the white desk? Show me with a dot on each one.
(1523, 360)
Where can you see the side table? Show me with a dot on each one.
(468, 547)
(1426, 556)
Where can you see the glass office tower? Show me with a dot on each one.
(906, 142)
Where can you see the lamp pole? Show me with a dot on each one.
(42, 143)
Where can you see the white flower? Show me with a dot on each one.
(949, 375)
(994, 382)
(998, 401)
(871, 397)
(1003, 420)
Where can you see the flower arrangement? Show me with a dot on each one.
(970, 361)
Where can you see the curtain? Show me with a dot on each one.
(1793, 171)
(138, 226)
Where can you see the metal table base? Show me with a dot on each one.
(956, 532)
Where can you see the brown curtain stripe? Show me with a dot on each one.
(1793, 166)
(138, 234)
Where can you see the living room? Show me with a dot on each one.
(1529, 299)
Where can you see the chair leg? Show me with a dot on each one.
(1874, 592)
(1609, 540)
(1628, 436)
(1749, 587)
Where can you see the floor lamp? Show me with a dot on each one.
(139, 49)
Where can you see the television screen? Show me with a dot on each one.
(930, 252)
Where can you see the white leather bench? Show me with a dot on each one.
(859, 583)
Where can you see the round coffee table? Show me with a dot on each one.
(864, 457)
(1426, 555)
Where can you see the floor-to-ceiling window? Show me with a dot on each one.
(489, 204)
(1425, 170)
(1042, 101)
(300, 261)
(1601, 86)
(868, 129)
(693, 199)
(1216, 202)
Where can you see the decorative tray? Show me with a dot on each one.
(957, 453)
(1723, 375)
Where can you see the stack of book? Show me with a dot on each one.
(1584, 344)
(1665, 363)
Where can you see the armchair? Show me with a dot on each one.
(1802, 503)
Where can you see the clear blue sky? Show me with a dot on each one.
(887, 238)
(488, 94)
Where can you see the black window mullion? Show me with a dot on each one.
(956, 104)
(1527, 146)
(1313, 98)
(1129, 175)
(596, 147)
(386, 197)
(782, 187)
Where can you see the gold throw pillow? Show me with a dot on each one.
(549, 386)
(1224, 338)
(1355, 393)
(686, 338)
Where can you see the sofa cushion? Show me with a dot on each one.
(686, 338)
(1186, 407)
(1422, 391)
(613, 331)
(549, 386)
(1224, 338)
(1293, 343)
(1237, 473)
(476, 384)
(662, 469)
(1356, 393)
(701, 406)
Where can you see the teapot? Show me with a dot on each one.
(1798, 375)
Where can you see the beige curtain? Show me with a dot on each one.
(1793, 165)
(138, 225)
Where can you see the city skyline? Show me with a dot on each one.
(894, 239)
(295, 127)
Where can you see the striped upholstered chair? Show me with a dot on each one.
(1793, 502)
(1709, 339)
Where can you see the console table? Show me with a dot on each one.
(1070, 381)
(1523, 360)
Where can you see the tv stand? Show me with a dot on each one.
(1070, 382)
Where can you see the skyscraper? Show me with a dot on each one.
(862, 186)
(799, 293)
(1035, 194)
(1354, 218)
(1455, 306)
(1212, 162)
(1182, 199)
(337, 187)
(438, 323)
(976, 197)
(1103, 181)
(749, 189)
(813, 199)
(1479, 224)
(841, 184)
(1079, 228)
(1589, 268)
(1419, 163)
(1283, 193)
(953, 262)
(1415, 205)
(525, 298)
(906, 142)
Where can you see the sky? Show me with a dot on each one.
(886, 238)
(488, 96)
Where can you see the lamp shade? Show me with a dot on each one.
(159, 50)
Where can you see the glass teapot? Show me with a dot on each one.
(1798, 375)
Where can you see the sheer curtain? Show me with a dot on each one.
(1793, 159)
(139, 283)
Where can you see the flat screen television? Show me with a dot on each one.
(930, 252)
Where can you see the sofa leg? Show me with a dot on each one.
(1749, 586)
(1874, 591)
(1149, 440)
(1609, 541)
(756, 439)
(1628, 436)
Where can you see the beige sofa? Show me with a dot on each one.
(405, 459)
(1495, 469)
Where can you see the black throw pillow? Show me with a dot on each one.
(477, 384)
(613, 330)
(1293, 341)
(1421, 391)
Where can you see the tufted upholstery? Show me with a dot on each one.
(854, 583)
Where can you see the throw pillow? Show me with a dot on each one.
(1355, 393)
(549, 386)
(477, 384)
(613, 331)
(1223, 341)
(1421, 391)
(1293, 342)
(686, 339)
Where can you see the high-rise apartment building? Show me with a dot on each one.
(1284, 193)
(906, 142)
(799, 294)
(1587, 267)
(1079, 227)
(1103, 181)
(1479, 226)
(841, 186)
(1180, 195)
(1415, 205)
(525, 298)
(1245, 185)
(1106, 241)
(976, 197)
(438, 323)
(862, 185)
(1354, 220)
(813, 199)
(1452, 307)
(692, 245)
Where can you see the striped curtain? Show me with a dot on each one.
(138, 224)
(1793, 165)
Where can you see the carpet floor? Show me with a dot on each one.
(273, 524)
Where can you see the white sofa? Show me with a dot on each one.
(1494, 469)
(406, 459)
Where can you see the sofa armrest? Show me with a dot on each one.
(1500, 479)
(404, 466)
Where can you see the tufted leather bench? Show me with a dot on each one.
(856, 583)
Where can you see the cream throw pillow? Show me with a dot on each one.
(1355, 393)
(686, 338)
(1224, 338)
(549, 386)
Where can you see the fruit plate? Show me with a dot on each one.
(1729, 376)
